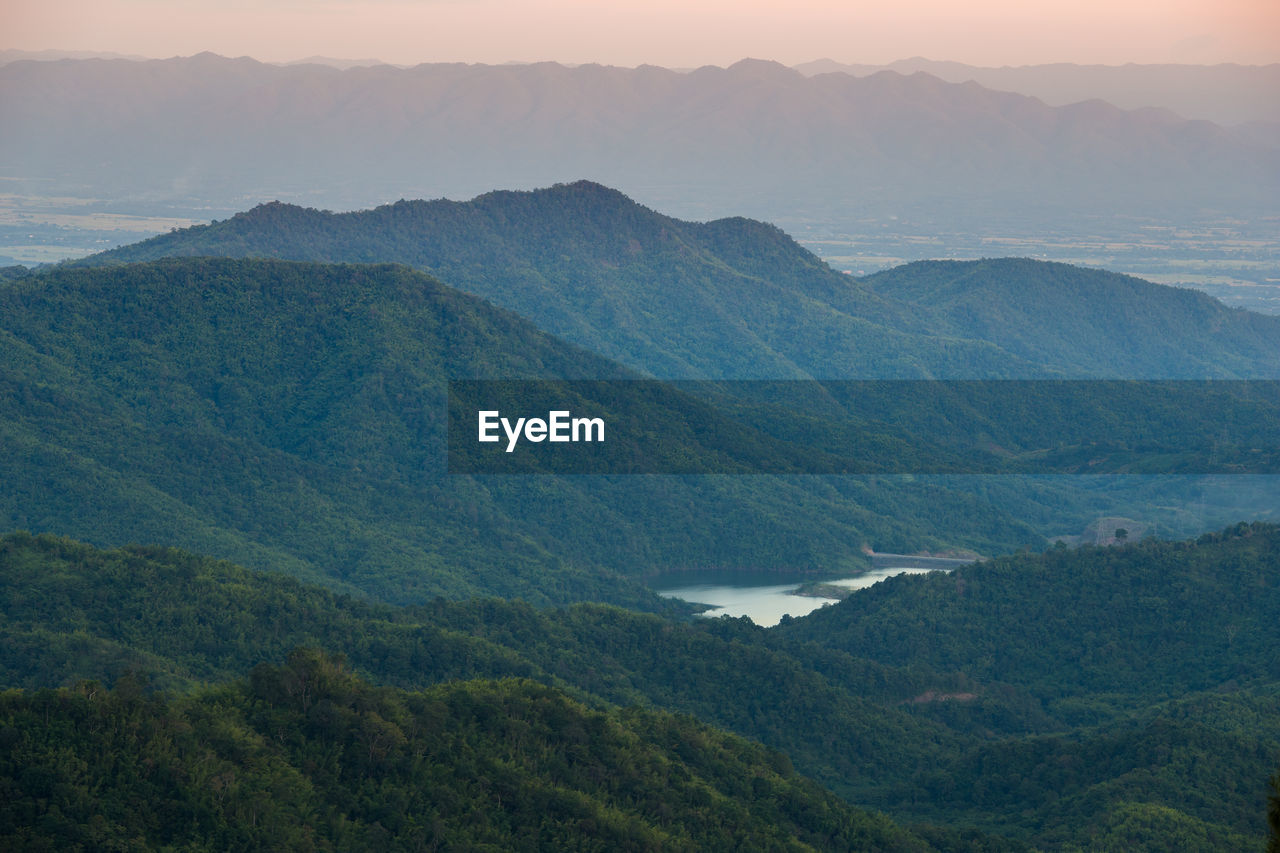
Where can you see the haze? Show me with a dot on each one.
(661, 32)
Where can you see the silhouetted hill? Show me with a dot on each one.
(1227, 93)
(754, 138)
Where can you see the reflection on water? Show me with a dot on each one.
(757, 595)
(876, 575)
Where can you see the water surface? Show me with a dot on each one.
(759, 595)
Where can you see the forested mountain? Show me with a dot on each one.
(308, 757)
(739, 299)
(284, 414)
(1058, 755)
(1085, 322)
(416, 658)
(1155, 618)
(753, 138)
(290, 416)
(727, 299)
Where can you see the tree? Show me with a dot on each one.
(1273, 815)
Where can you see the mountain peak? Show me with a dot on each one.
(276, 210)
(585, 186)
(582, 195)
(763, 68)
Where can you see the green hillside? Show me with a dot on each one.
(1085, 321)
(281, 414)
(1154, 619)
(728, 299)
(736, 298)
(962, 751)
(291, 416)
(308, 757)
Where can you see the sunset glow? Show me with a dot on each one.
(662, 32)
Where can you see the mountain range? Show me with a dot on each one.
(1226, 94)
(291, 415)
(737, 298)
(209, 131)
(157, 400)
(1104, 698)
(271, 388)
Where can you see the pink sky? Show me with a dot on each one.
(661, 32)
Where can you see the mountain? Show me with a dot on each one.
(737, 298)
(135, 614)
(340, 764)
(731, 298)
(1087, 632)
(1120, 620)
(1027, 740)
(756, 138)
(292, 415)
(1083, 321)
(14, 55)
(287, 415)
(1226, 94)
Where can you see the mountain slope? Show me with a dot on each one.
(955, 750)
(732, 299)
(291, 415)
(1086, 321)
(341, 764)
(739, 299)
(285, 414)
(1156, 618)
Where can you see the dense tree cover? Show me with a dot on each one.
(76, 612)
(1199, 762)
(736, 298)
(997, 426)
(1273, 815)
(1086, 322)
(729, 299)
(306, 756)
(954, 751)
(290, 415)
(1153, 619)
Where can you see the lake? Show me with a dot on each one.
(759, 595)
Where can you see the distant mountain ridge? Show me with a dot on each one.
(756, 138)
(1226, 93)
(736, 298)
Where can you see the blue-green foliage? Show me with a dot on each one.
(1051, 758)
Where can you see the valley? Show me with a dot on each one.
(761, 598)
(290, 415)
(575, 456)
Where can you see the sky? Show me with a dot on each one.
(672, 33)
